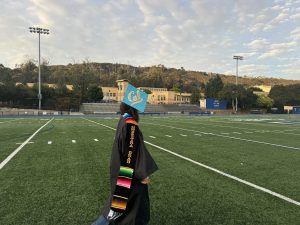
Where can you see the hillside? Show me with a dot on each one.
(106, 74)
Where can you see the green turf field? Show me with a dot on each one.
(61, 176)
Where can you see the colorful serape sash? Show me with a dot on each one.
(126, 172)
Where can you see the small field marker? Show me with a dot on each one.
(236, 132)
(198, 134)
(183, 135)
(30, 142)
(152, 137)
(96, 140)
(73, 141)
(168, 135)
(49, 142)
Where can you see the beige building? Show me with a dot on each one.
(157, 96)
(110, 94)
(265, 89)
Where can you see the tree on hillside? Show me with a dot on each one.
(94, 93)
(28, 72)
(285, 95)
(213, 87)
(5, 75)
(83, 76)
(264, 102)
(195, 97)
(246, 98)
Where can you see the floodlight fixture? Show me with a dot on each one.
(237, 58)
(39, 31)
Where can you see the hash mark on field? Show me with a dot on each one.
(183, 135)
(236, 132)
(152, 137)
(49, 142)
(198, 134)
(31, 142)
(168, 135)
(8, 158)
(73, 141)
(96, 139)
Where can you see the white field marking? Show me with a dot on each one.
(96, 139)
(8, 121)
(183, 135)
(240, 128)
(73, 141)
(236, 132)
(152, 137)
(217, 171)
(168, 135)
(5, 161)
(49, 142)
(198, 134)
(30, 142)
(225, 136)
(248, 132)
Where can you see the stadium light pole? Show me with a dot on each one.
(237, 58)
(39, 31)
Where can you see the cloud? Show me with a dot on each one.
(250, 69)
(198, 35)
(279, 49)
(295, 34)
(258, 44)
(292, 70)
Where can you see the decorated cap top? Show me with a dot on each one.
(135, 98)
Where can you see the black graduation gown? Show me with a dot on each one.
(138, 207)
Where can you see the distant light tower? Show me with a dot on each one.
(237, 58)
(39, 31)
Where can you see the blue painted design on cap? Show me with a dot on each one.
(135, 98)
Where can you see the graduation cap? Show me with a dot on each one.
(135, 98)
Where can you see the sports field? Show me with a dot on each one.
(212, 170)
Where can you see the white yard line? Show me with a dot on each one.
(226, 136)
(183, 135)
(240, 128)
(198, 134)
(236, 132)
(168, 135)
(275, 194)
(152, 137)
(5, 161)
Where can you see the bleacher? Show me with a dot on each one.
(99, 108)
(113, 108)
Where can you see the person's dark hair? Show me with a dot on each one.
(124, 108)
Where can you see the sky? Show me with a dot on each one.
(200, 35)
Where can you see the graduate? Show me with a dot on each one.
(130, 167)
